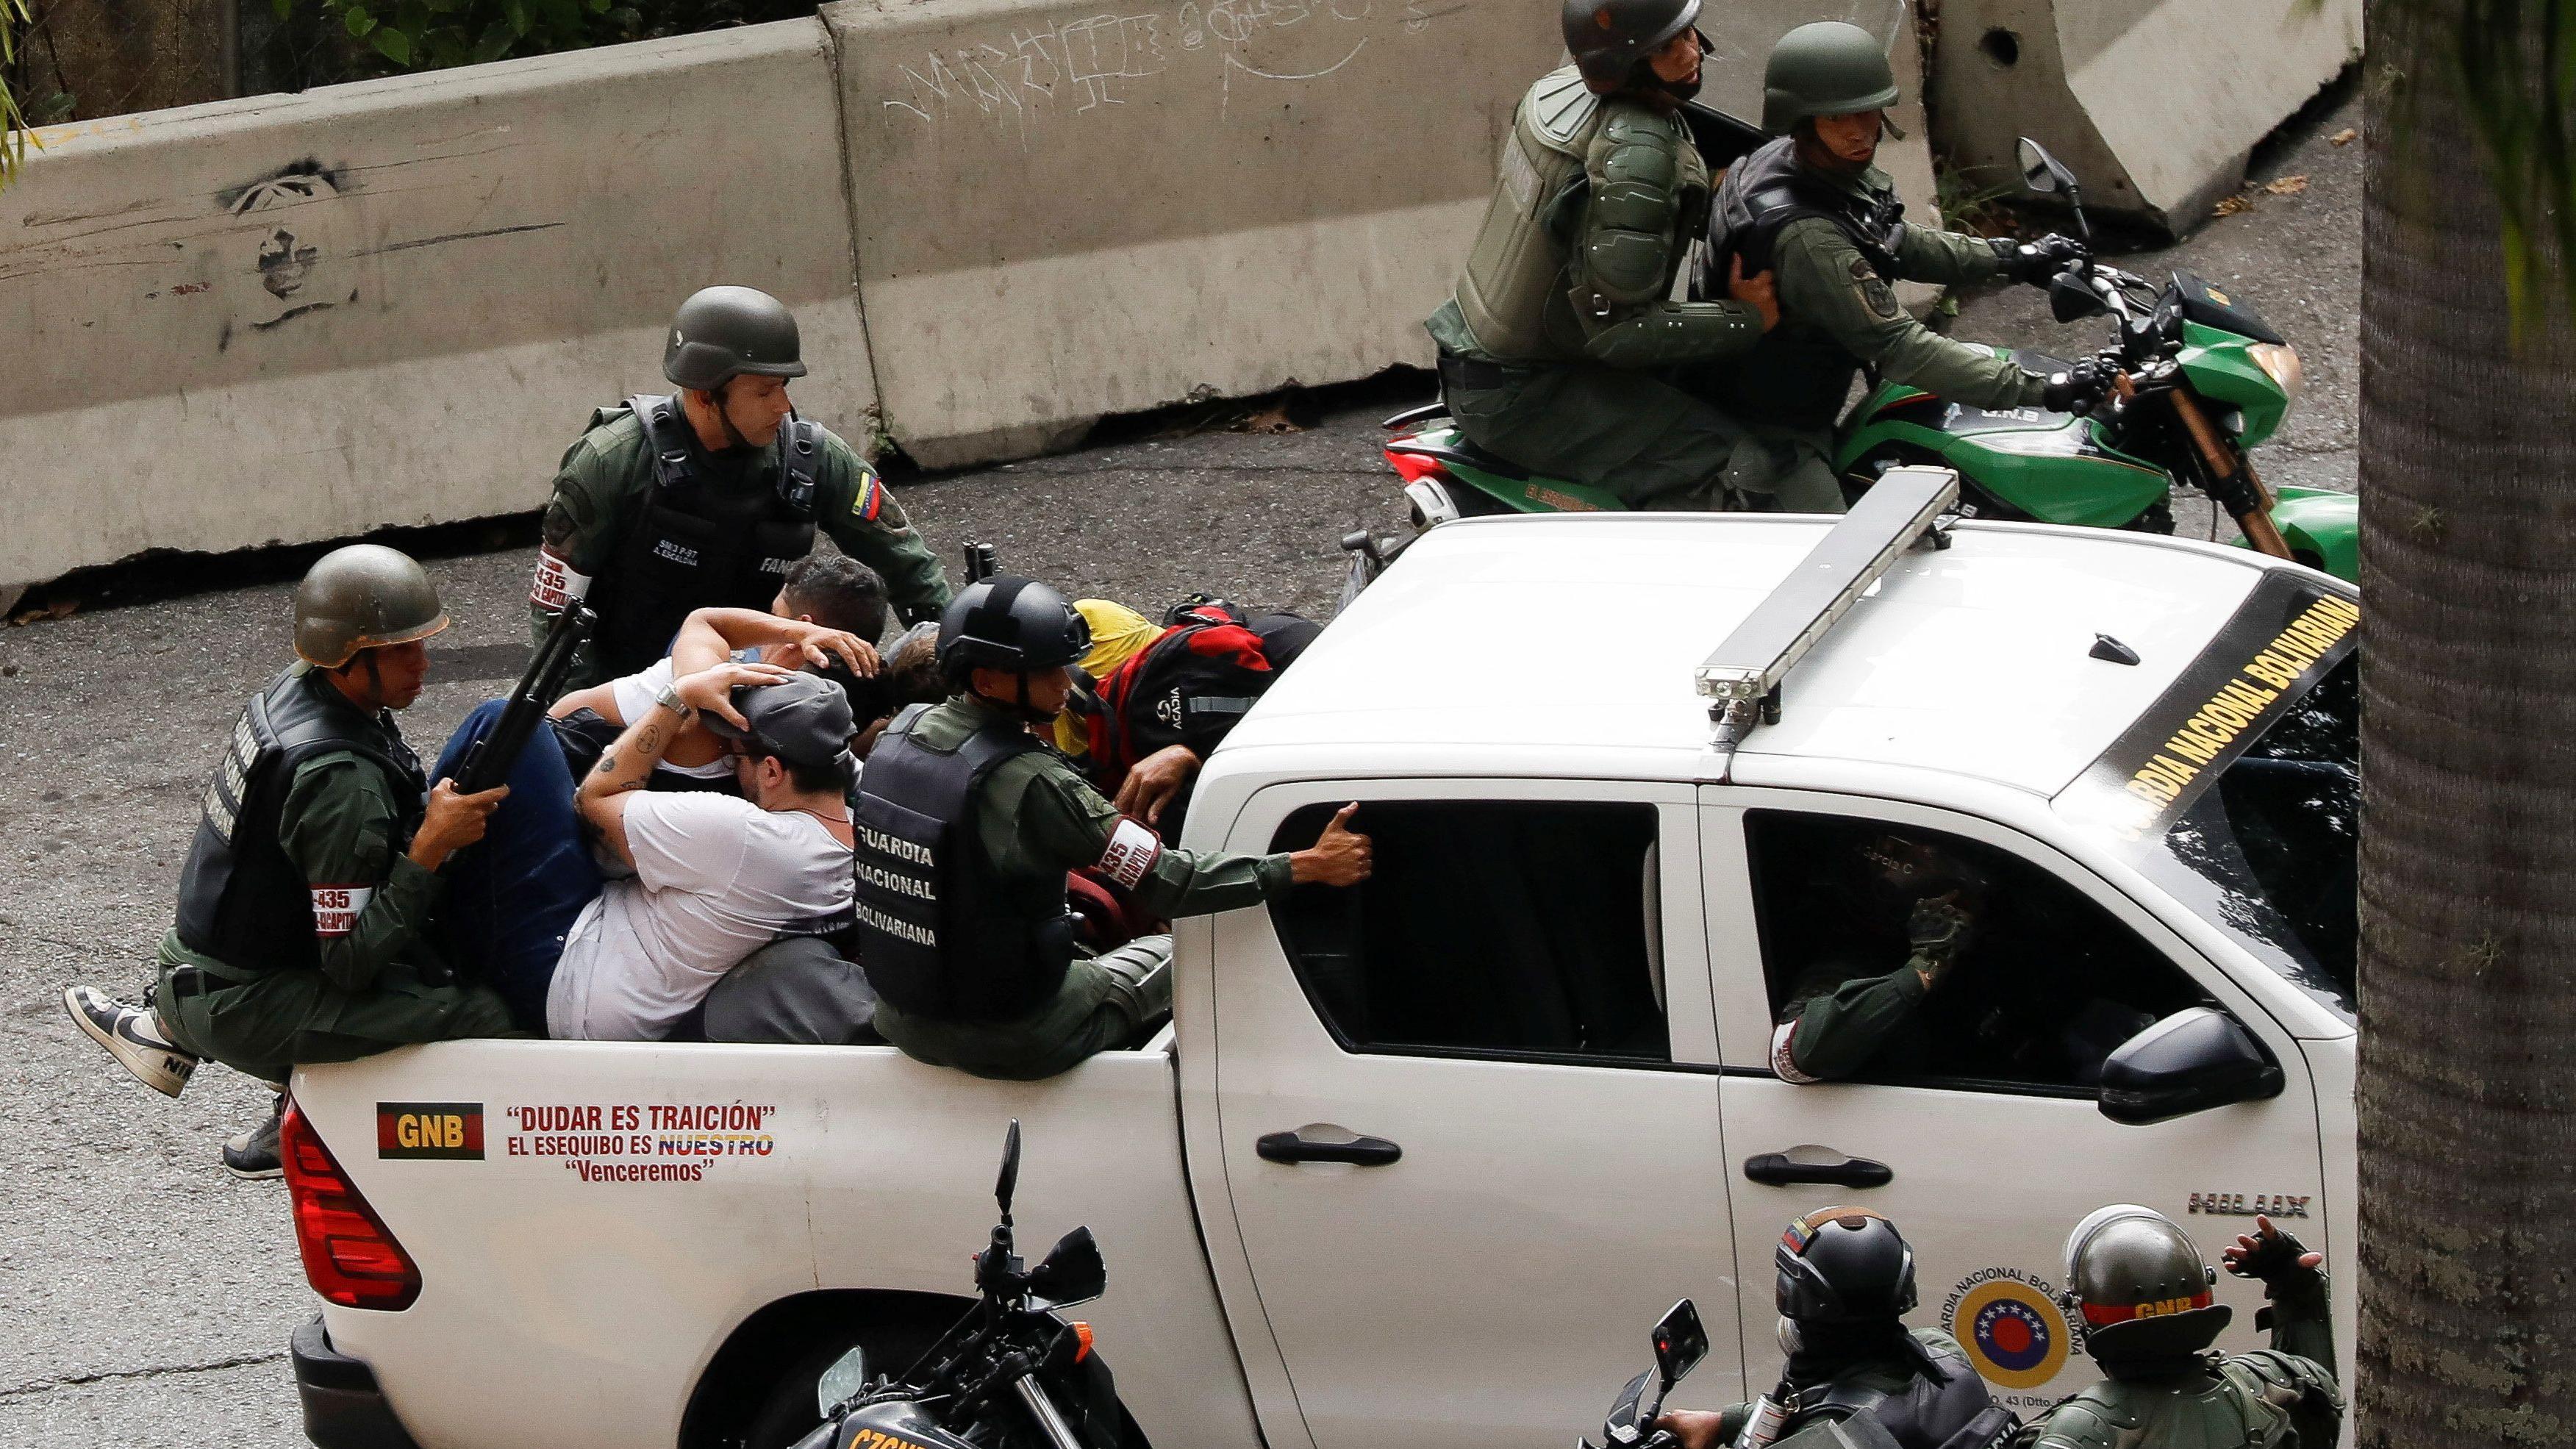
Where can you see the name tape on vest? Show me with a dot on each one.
(557, 584)
(336, 908)
(896, 927)
(1132, 851)
(898, 882)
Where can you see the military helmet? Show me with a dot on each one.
(1608, 37)
(1825, 68)
(722, 332)
(364, 596)
(1843, 1265)
(2138, 1287)
(1009, 623)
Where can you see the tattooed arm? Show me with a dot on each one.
(628, 763)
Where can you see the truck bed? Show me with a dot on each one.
(592, 1220)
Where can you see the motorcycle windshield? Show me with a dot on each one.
(2238, 792)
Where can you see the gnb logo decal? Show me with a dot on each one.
(430, 1129)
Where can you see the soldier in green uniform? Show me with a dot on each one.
(2141, 1290)
(1557, 350)
(304, 907)
(967, 826)
(1810, 208)
(705, 497)
(1841, 1015)
(1845, 1281)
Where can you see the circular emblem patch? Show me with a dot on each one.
(2016, 1338)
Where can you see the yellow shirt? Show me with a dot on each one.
(1118, 634)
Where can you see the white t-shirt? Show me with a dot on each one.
(716, 879)
(635, 694)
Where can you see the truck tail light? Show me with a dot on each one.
(349, 1256)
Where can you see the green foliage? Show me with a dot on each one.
(2511, 67)
(433, 34)
(13, 121)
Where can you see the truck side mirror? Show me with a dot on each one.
(2189, 1062)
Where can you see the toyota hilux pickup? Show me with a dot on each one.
(1411, 1160)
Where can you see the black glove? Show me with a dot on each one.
(1937, 930)
(2036, 262)
(2077, 389)
(2274, 1256)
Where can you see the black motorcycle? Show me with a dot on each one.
(1680, 1343)
(1014, 1373)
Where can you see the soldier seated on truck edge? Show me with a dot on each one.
(966, 828)
(304, 928)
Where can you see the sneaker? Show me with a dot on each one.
(253, 1154)
(132, 1035)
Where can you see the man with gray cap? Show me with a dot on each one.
(705, 496)
(715, 878)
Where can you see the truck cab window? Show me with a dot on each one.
(1490, 928)
(2045, 986)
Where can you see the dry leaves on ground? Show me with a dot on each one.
(1272, 419)
(2230, 206)
(2287, 186)
(2346, 136)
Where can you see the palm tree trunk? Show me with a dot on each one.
(2467, 1094)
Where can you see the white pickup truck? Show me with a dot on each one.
(1416, 1164)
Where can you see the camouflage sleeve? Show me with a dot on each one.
(1824, 280)
(583, 521)
(1925, 254)
(371, 902)
(1627, 248)
(859, 512)
(2301, 1314)
(1832, 1025)
(1054, 820)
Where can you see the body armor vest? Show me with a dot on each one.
(1928, 1413)
(699, 544)
(1516, 271)
(941, 933)
(241, 899)
(1797, 375)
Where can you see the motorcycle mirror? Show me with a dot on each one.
(2069, 299)
(1680, 1343)
(841, 1382)
(1009, 1182)
(1073, 1270)
(2047, 175)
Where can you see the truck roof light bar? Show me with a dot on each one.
(1742, 678)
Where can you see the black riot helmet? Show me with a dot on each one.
(1609, 37)
(721, 333)
(1844, 1265)
(1009, 623)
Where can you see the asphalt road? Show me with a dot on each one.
(146, 1297)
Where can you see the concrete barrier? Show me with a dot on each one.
(296, 318)
(293, 318)
(2154, 105)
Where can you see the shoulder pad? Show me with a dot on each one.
(1626, 123)
(2080, 1423)
(2289, 1371)
(1560, 106)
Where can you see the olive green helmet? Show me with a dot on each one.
(1608, 37)
(721, 333)
(2138, 1288)
(364, 596)
(1825, 68)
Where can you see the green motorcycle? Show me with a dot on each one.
(2193, 379)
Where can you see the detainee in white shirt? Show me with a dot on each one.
(715, 878)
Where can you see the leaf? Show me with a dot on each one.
(2346, 136)
(2234, 204)
(516, 13)
(282, 9)
(2287, 186)
(495, 42)
(393, 45)
(359, 21)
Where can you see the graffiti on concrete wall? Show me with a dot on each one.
(287, 236)
(1070, 67)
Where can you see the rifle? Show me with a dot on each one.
(488, 761)
(982, 562)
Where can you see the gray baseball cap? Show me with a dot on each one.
(805, 718)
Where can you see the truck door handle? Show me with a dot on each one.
(1775, 1169)
(1359, 1152)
